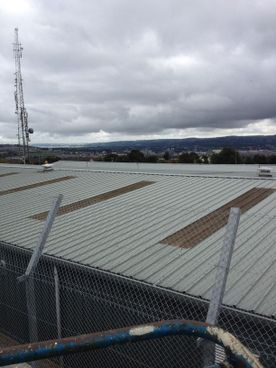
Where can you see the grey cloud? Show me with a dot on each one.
(140, 68)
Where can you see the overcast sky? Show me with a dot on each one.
(123, 69)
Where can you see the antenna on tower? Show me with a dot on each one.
(23, 131)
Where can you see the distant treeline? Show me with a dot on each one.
(231, 156)
(225, 156)
(132, 156)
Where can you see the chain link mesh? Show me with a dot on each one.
(93, 300)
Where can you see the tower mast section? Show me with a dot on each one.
(23, 130)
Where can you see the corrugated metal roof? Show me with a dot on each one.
(124, 234)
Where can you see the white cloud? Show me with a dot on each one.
(176, 63)
(12, 7)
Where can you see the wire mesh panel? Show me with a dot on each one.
(92, 300)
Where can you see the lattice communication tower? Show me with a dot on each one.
(23, 131)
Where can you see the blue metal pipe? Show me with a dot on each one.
(236, 353)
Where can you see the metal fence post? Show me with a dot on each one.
(31, 308)
(28, 276)
(221, 278)
(58, 315)
(42, 239)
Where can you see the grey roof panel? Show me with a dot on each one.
(123, 234)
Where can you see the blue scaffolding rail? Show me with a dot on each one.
(237, 355)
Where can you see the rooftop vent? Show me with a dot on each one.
(47, 167)
(264, 171)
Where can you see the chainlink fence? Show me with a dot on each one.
(71, 299)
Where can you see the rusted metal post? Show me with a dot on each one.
(220, 281)
(238, 355)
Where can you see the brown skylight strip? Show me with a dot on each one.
(201, 229)
(35, 185)
(8, 174)
(95, 199)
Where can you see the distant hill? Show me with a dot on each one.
(256, 142)
(198, 144)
